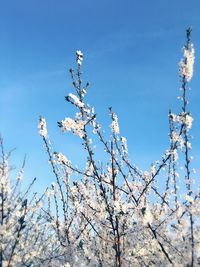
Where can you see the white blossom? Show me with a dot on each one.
(77, 102)
(174, 153)
(186, 64)
(42, 127)
(124, 145)
(189, 198)
(77, 127)
(146, 176)
(188, 122)
(152, 169)
(114, 125)
(186, 119)
(62, 159)
(79, 57)
(176, 137)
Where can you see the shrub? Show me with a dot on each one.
(115, 214)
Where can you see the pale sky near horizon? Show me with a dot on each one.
(131, 54)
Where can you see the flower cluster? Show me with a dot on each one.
(186, 64)
(173, 153)
(124, 145)
(176, 137)
(42, 126)
(79, 57)
(62, 159)
(114, 125)
(186, 119)
(76, 101)
(77, 127)
(183, 118)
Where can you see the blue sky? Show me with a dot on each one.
(131, 51)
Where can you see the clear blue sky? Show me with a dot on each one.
(131, 51)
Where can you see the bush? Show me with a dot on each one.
(114, 214)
